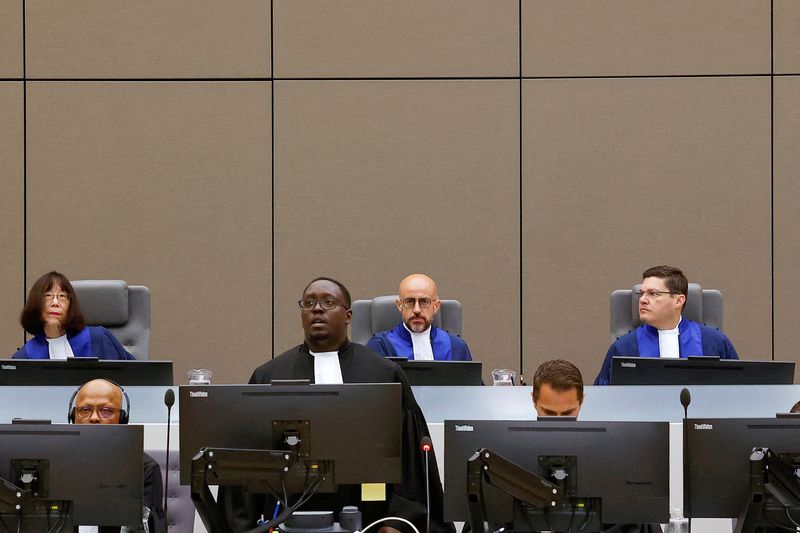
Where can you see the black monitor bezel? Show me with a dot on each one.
(78, 370)
(441, 373)
(633, 442)
(699, 371)
(717, 455)
(239, 417)
(87, 462)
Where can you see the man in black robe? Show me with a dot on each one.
(327, 356)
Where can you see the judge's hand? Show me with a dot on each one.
(387, 529)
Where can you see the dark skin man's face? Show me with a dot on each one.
(325, 330)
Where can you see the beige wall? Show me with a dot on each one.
(531, 156)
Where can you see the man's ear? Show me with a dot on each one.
(437, 303)
(399, 304)
(349, 314)
(680, 301)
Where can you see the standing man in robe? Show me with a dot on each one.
(328, 357)
(664, 332)
(415, 337)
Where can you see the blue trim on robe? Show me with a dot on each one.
(397, 342)
(689, 339)
(91, 341)
(712, 342)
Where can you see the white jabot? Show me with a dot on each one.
(327, 370)
(669, 342)
(422, 344)
(59, 348)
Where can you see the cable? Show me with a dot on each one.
(589, 512)
(308, 492)
(789, 516)
(780, 526)
(390, 518)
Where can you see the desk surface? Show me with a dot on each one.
(645, 403)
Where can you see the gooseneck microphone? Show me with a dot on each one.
(686, 399)
(426, 445)
(169, 401)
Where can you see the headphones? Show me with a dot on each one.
(124, 414)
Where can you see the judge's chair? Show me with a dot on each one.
(121, 308)
(380, 314)
(702, 305)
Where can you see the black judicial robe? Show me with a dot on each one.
(406, 500)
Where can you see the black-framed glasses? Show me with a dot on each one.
(327, 303)
(423, 303)
(84, 412)
(60, 296)
(651, 293)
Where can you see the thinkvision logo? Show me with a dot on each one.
(464, 427)
(8, 367)
(198, 394)
(628, 365)
(703, 426)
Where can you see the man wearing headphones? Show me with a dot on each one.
(100, 402)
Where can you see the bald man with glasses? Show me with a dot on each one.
(416, 338)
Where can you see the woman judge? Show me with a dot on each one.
(53, 316)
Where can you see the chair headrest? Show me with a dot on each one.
(104, 302)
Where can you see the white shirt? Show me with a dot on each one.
(423, 351)
(59, 347)
(327, 370)
(669, 345)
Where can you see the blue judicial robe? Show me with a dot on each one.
(694, 339)
(397, 342)
(91, 341)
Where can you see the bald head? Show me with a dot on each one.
(97, 394)
(418, 301)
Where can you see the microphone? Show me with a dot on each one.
(686, 399)
(426, 445)
(169, 401)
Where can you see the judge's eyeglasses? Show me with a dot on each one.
(423, 303)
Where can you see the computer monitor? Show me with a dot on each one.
(355, 427)
(616, 472)
(78, 370)
(71, 475)
(717, 462)
(441, 372)
(699, 371)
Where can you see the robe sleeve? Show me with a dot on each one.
(106, 346)
(728, 351)
(604, 376)
(378, 345)
(153, 495)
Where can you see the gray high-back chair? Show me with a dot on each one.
(380, 314)
(702, 305)
(121, 308)
(180, 508)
